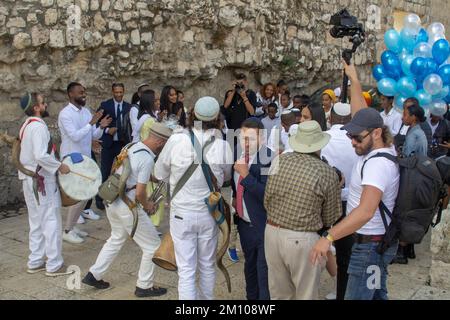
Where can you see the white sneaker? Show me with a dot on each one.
(331, 296)
(80, 232)
(90, 214)
(81, 220)
(72, 237)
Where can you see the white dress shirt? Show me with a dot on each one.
(246, 216)
(133, 116)
(34, 147)
(177, 156)
(76, 131)
(393, 120)
(340, 153)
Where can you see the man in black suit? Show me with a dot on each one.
(250, 178)
(113, 138)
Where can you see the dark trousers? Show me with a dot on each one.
(343, 252)
(106, 161)
(255, 267)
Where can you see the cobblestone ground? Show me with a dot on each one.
(405, 281)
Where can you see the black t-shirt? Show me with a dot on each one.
(236, 113)
(442, 134)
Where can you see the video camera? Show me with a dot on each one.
(238, 87)
(346, 25)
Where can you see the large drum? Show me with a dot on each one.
(81, 183)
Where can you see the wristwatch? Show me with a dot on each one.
(328, 236)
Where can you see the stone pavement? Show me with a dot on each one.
(405, 282)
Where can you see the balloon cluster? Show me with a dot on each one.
(416, 64)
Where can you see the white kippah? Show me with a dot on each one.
(286, 112)
(342, 109)
(295, 110)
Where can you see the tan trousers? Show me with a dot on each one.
(291, 274)
(73, 213)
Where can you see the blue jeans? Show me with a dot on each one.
(367, 272)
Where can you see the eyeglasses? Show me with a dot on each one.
(359, 138)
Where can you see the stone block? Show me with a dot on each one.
(39, 36)
(57, 38)
(51, 17)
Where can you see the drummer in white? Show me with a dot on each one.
(42, 197)
(141, 156)
(78, 129)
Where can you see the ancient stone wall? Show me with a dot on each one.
(195, 45)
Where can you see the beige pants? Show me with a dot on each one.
(291, 274)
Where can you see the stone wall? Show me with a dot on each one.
(195, 45)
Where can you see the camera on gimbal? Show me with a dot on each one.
(238, 87)
(345, 25)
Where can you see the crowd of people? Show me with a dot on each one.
(303, 196)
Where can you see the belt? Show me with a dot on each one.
(273, 224)
(362, 238)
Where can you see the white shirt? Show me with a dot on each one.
(76, 132)
(270, 123)
(177, 156)
(432, 126)
(141, 163)
(34, 147)
(382, 174)
(281, 108)
(116, 105)
(259, 98)
(246, 216)
(393, 120)
(137, 129)
(277, 138)
(340, 153)
(133, 116)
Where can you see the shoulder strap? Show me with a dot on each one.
(382, 207)
(210, 179)
(189, 172)
(26, 125)
(141, 150)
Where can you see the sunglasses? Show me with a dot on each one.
(358, 138)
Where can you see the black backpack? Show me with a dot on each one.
(418, 201)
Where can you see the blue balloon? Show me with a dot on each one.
(444, 73)
(406, 65)
(447, 99)
(379, 72)
(419, 66)
(391, 64)
(406, 87)
(398, 101)
(423, 97)
(403, 55)
(440, 50)
(409, 39)
(387, 87)
(431, 66)
(422, 36)
(393, 41)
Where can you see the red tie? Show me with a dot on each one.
(240, 198)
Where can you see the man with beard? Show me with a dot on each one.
(78, 128)
(374, 181)
(38, 155)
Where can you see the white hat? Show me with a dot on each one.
(309, 138)
(288, 111)
(342, 109)
(206, 109)
(337, 92)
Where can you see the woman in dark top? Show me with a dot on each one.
(169, 103)
(314, 112)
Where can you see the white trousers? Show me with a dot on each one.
(194, 236)
(146, 237)
(45, 239)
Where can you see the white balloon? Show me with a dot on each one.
(412, 21)
(432, 39)
(423, 50)
(438, 107)
(433, 84)
(436, 28)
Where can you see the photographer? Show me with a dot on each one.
(240, 102)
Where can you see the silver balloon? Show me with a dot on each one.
(434, 38)
(423, 50)
(438, 107)
(412, 21)
(433, 84)
(435, 28)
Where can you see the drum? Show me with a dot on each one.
(81, 183)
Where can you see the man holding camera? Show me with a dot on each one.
(240, 102)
